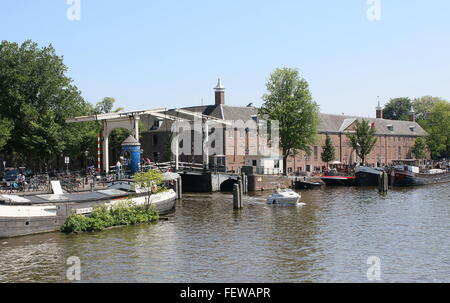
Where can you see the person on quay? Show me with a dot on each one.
(118, 170)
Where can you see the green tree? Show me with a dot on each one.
(419, 149)
(37, 96)
(5, 132)
(106, 106)
(397, 109)
(328, 151)
(438, 128)
(146, 181)
(423, 105)
(363, 139)
(289, 101)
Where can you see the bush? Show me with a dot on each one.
(123, 213)
(75, 224)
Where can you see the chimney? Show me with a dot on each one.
(379, 111)
(412, 115)
(220, 93)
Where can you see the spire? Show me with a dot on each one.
(412, 114)
(379, 110)
(219, 86)
(379, 105)
(219, 93)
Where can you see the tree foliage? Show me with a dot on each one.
(6, 127)
(106, 106)
(37, 97)
(397, 109)
(423, 106)
(419, 149)
(328, 151)
(149, 178)
(363, 139)
(438, 129)
(289, 101)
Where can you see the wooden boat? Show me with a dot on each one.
(335, 179)
(367, 176)
(308, 185)
(24, 215)
(415, 178)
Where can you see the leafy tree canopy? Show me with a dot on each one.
(363, 139)
(37, 97)
(438, 128)
(106, 106)
(397, 109)
(419, 149)
(328, 150)
(289, 101)
(423, 105)
(5, 131)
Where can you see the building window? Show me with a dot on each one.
(155, 139)
(254, 163)
(316, 153)
(156, 156)
(276, 164)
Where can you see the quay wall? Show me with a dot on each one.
(267, 182)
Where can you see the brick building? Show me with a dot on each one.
(395, 138)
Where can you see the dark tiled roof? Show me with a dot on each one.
(338, 123)
(238, 112)
(328, 123)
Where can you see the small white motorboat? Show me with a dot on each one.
(284, 197)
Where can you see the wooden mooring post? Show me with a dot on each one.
(236, 197)
(244, 182)
(178, 188)
(383, 183)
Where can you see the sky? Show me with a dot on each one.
(166, 53)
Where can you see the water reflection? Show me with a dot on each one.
(327, 240)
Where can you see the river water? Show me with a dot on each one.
(329, 239)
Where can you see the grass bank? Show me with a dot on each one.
(120, 214)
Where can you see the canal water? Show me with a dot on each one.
(329, 239)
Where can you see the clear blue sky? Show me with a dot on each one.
(166, 53)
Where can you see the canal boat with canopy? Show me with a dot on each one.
(24, 215)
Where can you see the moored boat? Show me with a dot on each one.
(367, 176)
(416, 178)
(334, 179)
(25, 215)
(308, 185)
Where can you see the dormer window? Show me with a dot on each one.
(390, 127)
(412, 128)
(156, 124)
